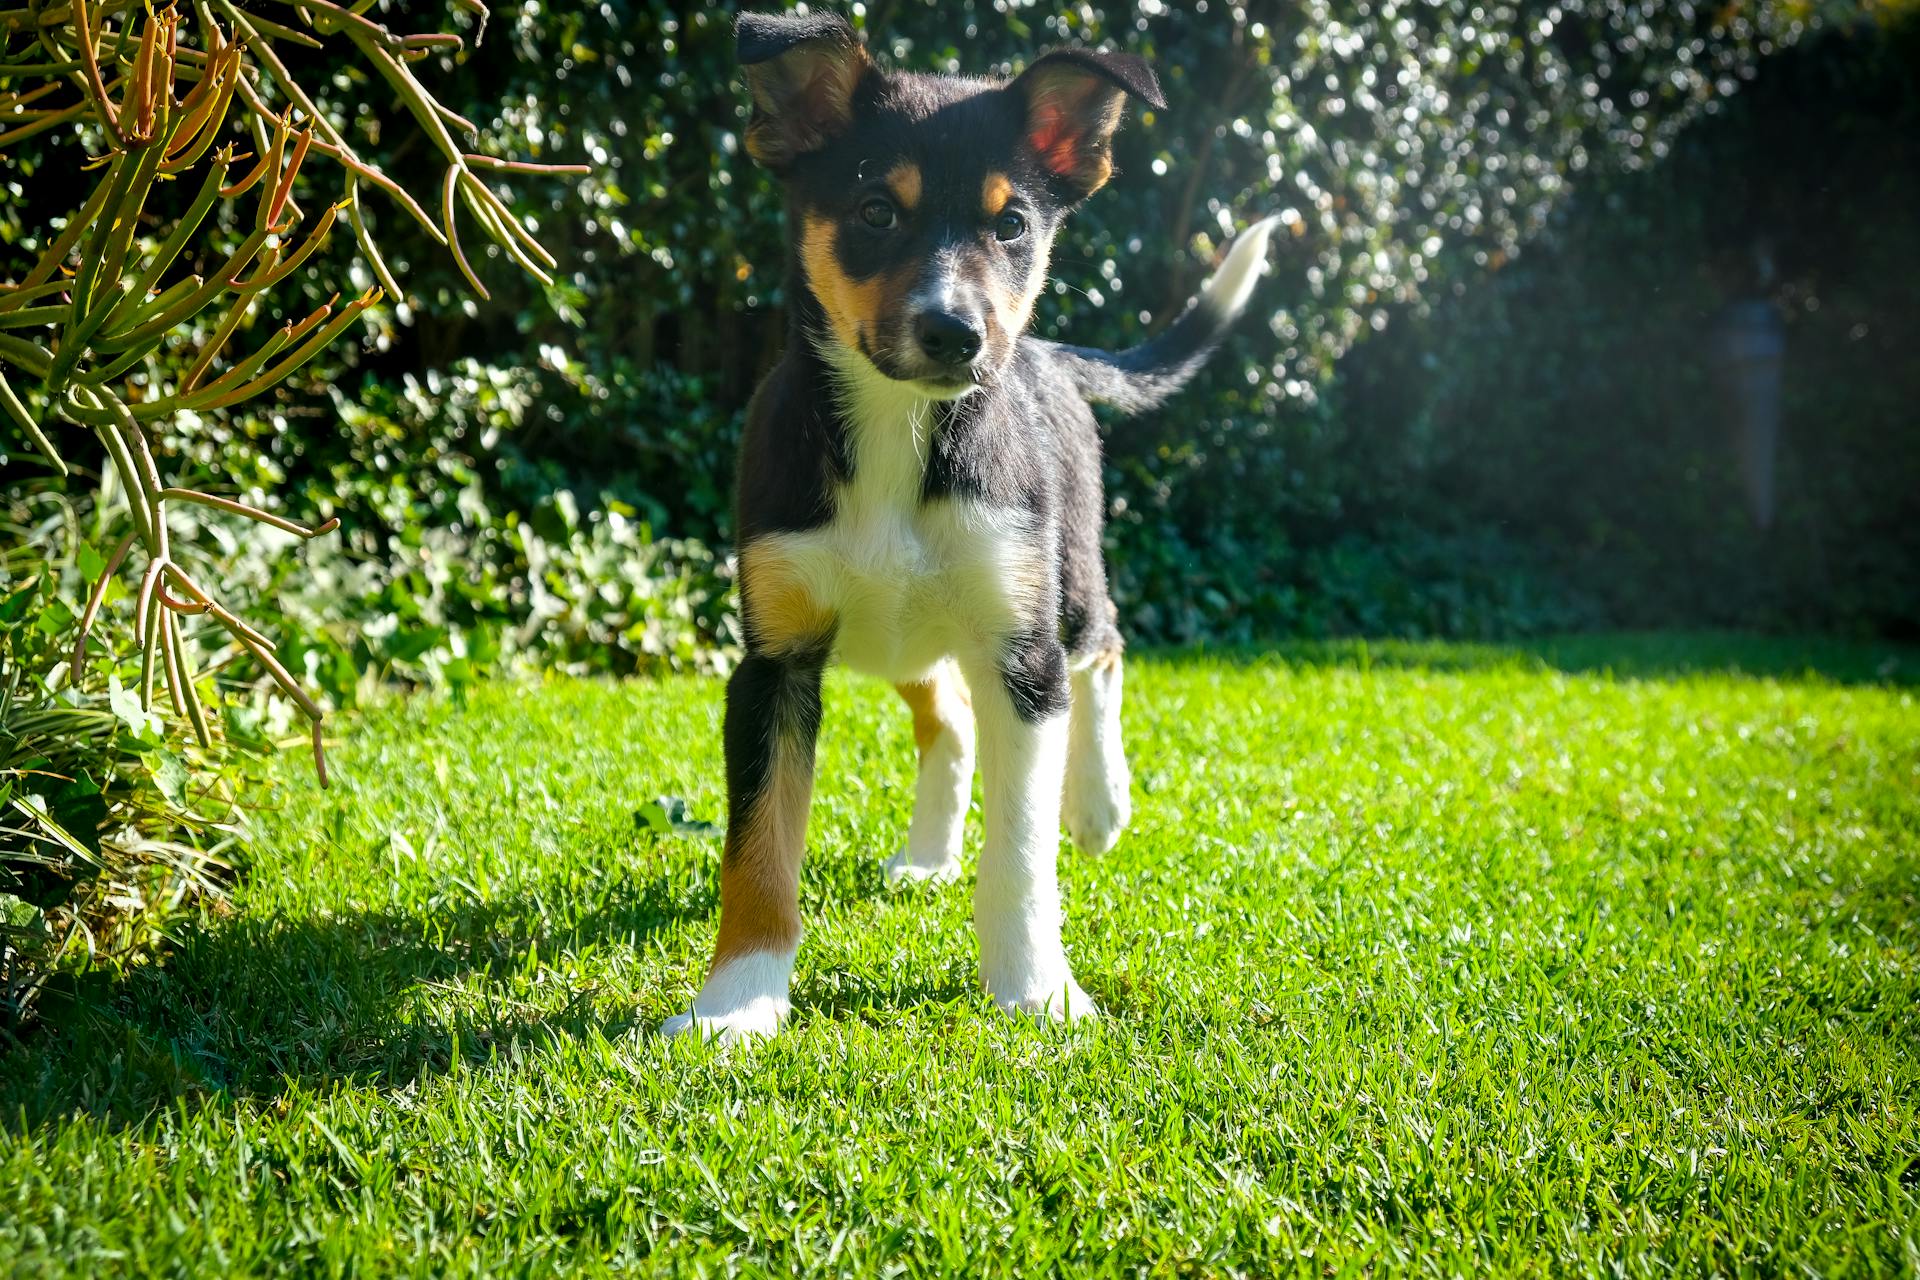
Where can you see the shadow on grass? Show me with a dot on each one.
(250, 1008)
(1621, 655)
(247, 1009)
(841, 996)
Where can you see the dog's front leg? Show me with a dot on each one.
(773, 716)
(1020, 705)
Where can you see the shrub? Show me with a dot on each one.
(464, 553)
(113, 330)
(107, 827)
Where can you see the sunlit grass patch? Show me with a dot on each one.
(1423, 959)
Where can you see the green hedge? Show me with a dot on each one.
(549, 476)
(1312, 482)
(1568, 400)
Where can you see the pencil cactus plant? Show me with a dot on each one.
(108, 331)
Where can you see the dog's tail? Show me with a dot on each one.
(1141, 377)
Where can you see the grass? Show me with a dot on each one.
(1417, 959)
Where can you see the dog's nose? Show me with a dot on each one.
(946, 337)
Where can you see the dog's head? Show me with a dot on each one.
(924, 206)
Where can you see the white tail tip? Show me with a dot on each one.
(1233, 283)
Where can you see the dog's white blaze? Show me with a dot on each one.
(1016, 899)
(1233, 283)
(942, 792)
(744, 998)
(1097, 801)
(937, 292)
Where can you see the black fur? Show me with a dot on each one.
(1034, 670)
(1146, 376)
(794, 450)
(761, 37)
(1125, 71)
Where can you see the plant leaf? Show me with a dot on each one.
(672, 815)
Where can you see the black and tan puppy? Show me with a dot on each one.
(920, 493)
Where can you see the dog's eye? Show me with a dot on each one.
(877, 214)
(1010, 227)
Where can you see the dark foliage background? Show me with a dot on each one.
(1568, 401)
(1541, 218)
(1481, 402)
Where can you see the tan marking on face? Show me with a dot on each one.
(850, 306)
(994, 194)
(1013, 308)
(937, 703)
(780, 611)
(760, 871)
(854, 307)
(903, 180)
(1107, 660)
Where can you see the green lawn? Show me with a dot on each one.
(1603, 957)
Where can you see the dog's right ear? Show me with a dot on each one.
(802, 73)
(1074, 99)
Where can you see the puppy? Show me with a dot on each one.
(920, 492)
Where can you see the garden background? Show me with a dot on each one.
(1525, 868)
(1477, 398)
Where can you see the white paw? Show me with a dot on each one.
(1096, 807)
(1062, 1004)
(902, 869)
(757, 1021)
(744, 998)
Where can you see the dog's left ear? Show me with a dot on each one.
(802, 73)
(1074, 99)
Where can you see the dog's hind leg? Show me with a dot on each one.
(1095, 802)
(943, 734)
(1096, 805)
(773, 717)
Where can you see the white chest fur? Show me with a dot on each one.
(907, 582)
